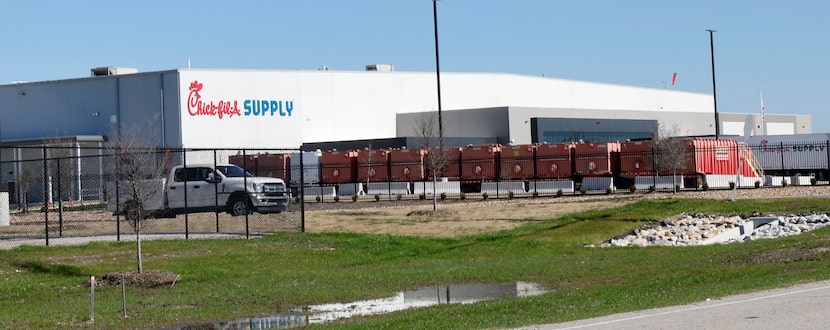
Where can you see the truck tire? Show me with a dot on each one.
(239, 205)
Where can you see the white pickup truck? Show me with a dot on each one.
(202, 188)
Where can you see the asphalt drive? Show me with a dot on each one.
(805, 306)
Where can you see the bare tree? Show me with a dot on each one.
(670, 153)
(25, 179)
(368, 164)
(139, 171)
(430, 140)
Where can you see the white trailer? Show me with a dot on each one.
(793, 154)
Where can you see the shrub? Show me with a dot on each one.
(443, 196)
(354, 197)
(632, 189)
(705, 186)
(336, 198)
(422, 196)
(757, 184)
(652, 188)
(559, 193)
(510, 195)
(398, 197)
(318, 199)
(783, 182)
(296, 200)
(535, 194)
(813, 181)
(485, 196)
(583, 191)
(463, 196)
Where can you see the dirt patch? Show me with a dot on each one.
(431, 213)
(452, 218)
(145, 279)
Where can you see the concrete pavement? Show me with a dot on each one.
(81, 240)
(805, 306)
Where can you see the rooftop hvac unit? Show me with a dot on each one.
(111, 71)
(380, 67)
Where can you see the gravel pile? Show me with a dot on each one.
(791, 225)
(700, 229)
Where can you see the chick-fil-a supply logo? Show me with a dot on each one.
(223, 108)
(268, 107)
(765, 146)
(197, 107)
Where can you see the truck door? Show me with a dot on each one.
(200, 192)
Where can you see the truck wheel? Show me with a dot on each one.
(240, 206)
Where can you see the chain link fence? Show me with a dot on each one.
(65, 192)
(70, 191)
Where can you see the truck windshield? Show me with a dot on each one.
(233, 171)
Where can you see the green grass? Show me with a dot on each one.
(231, 279)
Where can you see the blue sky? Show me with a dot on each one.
(780, 46)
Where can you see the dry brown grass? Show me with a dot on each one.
(401, 217)
(453, 218)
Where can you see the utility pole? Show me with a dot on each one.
(438, 77)
(714, 88)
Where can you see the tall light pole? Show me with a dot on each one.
(714, 88)
(438, 76)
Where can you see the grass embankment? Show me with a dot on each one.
(231, 279)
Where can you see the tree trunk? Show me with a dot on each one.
(138, 245)
(674, 181)
(434, 190)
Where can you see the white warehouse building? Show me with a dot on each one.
(210, 108)
(319, 109)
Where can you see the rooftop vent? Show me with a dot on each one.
(380, 67)
(111, 71)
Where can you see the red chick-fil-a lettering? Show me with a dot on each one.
(196, 107)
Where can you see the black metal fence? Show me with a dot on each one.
(61, 193)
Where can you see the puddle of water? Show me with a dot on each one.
(423, 297)
(268, 322)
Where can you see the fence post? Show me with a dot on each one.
(302, 193)
(216, 192)
(117, 179)
(654, 167)
(45, 197)
(245, 184)
(827, 152)
(781, 151)
(77, 177)
(60, 199)
(186, 210)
